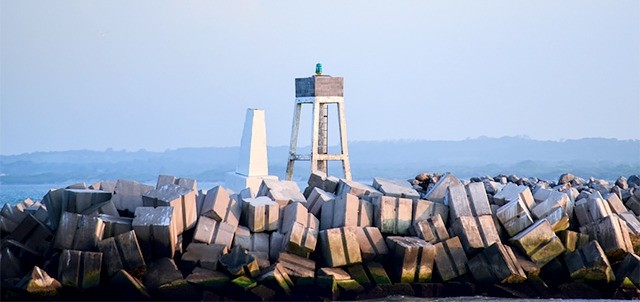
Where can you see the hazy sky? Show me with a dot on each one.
(167, 74)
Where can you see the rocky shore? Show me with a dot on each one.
(431, 236)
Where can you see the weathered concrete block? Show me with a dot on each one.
(210, 231)
(160, 272)
(371, 243)
(633, 203)
(613, 236)
(450, 259)
(276, 277)
(629, 268)
(78, 200)
(340, 247)
(590, 210)
(632, 222)
(458, 202)
(432, 230)
(424, 209)
(183, 201)
(346, 210)
(478, 199)
(297, 267)
(496, 264)
(589, 263)
(276, 245)
(79, 232)
(281, 191)
(392, 215)
(204, 255)
(475, 232)
(122, 252)
(513, 192)
(80, 269)
(539, 242)
(615, 203)
(251, 241)
(356, 188)
(316, 199)
(128, 195)
(262, 214)
(238, 262)
(411, 259)
(401, 189)
(39, 284)
(542, 209)
(53, 201)
(114, 226)
(106, 208)
(292, 213)
(514, 216)
(155, 231)
(439, 191)
(33, 235)
(208, 278)
(573, 240)
(219, 205)
(300, 240)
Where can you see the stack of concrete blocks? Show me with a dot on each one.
(12, 216)
(79, 232)
(496, 264)
(339, 247)
(512, 192)
(439, 191)
(424, 209)
(612, 234)
(432, 230)
(345, 211)
(552, 209)
(451, 260)
(539, 242)
(371, 243)
(355, 188)
(80, 269)
(31, 238)
(541, 194)
(253, 164)
(411, 259)
(156, 231)
(589, 263)
(257, 244)
(514, 216)
(591, 209)
(392, 215)
(71, 200)
(316, 199)
(127, 195)
(471, 216)
(204, 255)
(283, 192)
(122, 252)
(300, 229)
(178, 193)
(618, 208)
(395, 188)
(320, 180)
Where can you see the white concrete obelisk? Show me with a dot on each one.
(253, 163)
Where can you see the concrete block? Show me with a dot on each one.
(402, 189)
(281, 191)
(79, 232)
(371, 243)
(276, 245)
(106, 208)
(432, 230)
(496, 264)
(219, 205)
(78, 200)
(553, 209)
(39, 284)
(80, 269)
(300, 240)
(238, 262)
(514, 216)
(633, 203)
(297, 267)
(589, 263)
(316, 199)
(629, 268)
(613, 236)
(210, 231)
(128, 195)
(53, 201)
(155, 231)
(160, 272)
(339, 247)
(204, 255)
(632, 222)
(114, 226)
(458, 202)
(424, 209)
(573, 240)
(292, 213)
(201, 195)
(208, 278)
(513, 192)
(450, 259)
(439, 191)
(478, 200)
(539, 242)
(276, 277)
(589, 210)
(183, 201)
(411, 259)
(356, 188)
(122, 252)
(262, 214)
(475, 232)
(392, 215)
(33, 235)
(251, 241)
(615, 203)
(346, 210)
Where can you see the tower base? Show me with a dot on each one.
(238, 182)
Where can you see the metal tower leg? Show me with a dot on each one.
(297, 107)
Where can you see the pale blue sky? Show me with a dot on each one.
(168, 74)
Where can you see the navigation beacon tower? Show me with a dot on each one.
(320, 91)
